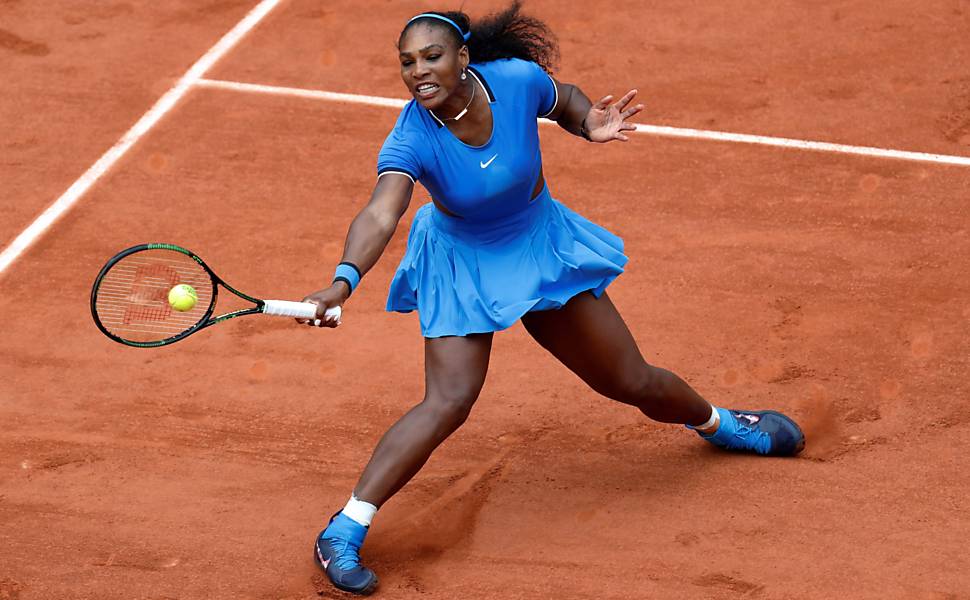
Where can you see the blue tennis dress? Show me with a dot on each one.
(507, 253)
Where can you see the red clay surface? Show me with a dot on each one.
(887, 74)
(828, 286)
(77, 75)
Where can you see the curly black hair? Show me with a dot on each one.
(505, 34)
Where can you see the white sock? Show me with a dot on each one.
(710, 422)
(360, 511)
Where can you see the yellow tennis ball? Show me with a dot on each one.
(182, 297)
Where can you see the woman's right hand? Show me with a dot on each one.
(335, 295)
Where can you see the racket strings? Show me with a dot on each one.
(131, 300)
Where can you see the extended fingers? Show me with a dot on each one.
(626, 114)
(603, 102)
(627, 97)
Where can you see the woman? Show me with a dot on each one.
(494, 247)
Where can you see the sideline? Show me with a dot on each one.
(164, 104)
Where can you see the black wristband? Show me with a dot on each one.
(584, 132)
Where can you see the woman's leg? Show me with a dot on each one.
(455, 369)
(590, 338)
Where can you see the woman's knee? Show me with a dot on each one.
(641, 387)
(450, 409)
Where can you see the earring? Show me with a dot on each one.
(464, 76)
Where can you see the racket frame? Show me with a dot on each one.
(205, 321)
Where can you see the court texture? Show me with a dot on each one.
(820, 269)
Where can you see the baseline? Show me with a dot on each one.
(657, 130)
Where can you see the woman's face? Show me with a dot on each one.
(431, 65)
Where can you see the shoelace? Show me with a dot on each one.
(762, 443)
(347, 554)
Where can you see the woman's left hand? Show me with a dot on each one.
(606, 122)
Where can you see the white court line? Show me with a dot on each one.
(659, 130)
(744, 138)
(302, 93)
(67, 200)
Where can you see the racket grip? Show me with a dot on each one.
(297, 310)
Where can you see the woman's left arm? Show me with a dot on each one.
(601, 122)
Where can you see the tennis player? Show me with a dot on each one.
(494, 247)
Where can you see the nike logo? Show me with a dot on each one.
(752, 419)
(485, 164)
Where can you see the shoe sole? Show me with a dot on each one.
(367, 591)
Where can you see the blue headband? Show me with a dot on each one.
(464, 36)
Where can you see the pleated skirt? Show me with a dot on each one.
(467, 277)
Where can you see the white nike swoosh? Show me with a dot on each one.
(485, 164)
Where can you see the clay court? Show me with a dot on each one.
(831, 285)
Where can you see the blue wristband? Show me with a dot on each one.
(349, 274)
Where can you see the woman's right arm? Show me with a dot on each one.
(369, 234)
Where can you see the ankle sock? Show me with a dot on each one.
(360, 511)
(707, 424)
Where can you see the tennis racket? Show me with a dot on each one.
(129, 300)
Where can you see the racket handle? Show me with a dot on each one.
(297, 310)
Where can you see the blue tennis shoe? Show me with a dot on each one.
(763, 431)
(337, 552)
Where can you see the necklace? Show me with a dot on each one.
(464, 110)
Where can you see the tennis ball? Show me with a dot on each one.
(182, 297)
